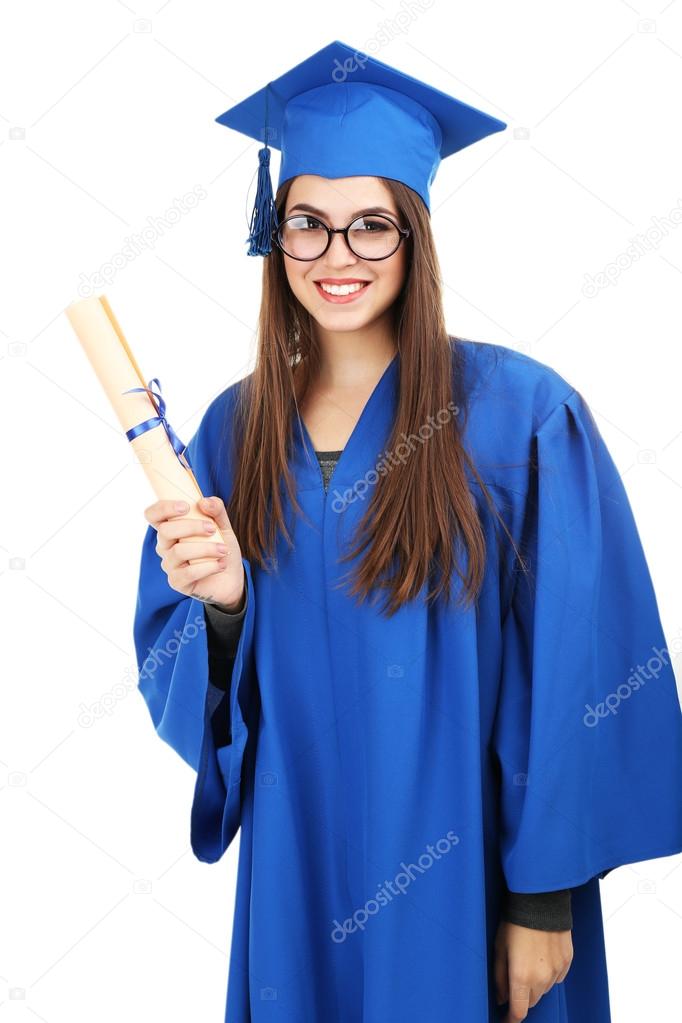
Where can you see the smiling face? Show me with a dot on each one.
(336, 202)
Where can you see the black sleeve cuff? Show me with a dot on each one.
(222, 620)
(222, 635)
(544, 911)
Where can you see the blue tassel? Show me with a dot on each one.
(264, 215)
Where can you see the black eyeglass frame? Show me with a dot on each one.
(404, 233)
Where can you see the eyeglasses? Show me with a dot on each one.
(370, 237)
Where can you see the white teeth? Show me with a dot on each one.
(340, 289)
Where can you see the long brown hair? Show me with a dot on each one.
(421, 510)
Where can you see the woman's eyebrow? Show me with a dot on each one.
(358, 213)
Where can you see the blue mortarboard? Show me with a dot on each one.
(341, 113)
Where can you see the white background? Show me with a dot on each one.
(106, 119)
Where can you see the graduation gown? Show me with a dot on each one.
(388, 775)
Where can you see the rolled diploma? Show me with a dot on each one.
(112, 360)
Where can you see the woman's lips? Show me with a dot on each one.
(341, 298)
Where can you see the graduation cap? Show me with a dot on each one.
(341, 113)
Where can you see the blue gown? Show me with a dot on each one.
(387, 774)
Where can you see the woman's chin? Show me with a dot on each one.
(340, 317)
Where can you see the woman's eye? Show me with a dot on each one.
(372, 226)
(305, 223)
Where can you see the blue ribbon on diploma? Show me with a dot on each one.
(149, 424)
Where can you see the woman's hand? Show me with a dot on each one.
(219, 581)
(528, 962)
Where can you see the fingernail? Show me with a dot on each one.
(221, 547)
(181, 506)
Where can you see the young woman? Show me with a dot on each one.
(430, 785)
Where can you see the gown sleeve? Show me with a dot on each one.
(172, 651)
(588, 727)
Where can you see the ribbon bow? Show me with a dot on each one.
(149, 424)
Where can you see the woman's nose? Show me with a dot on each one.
(339, 250)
